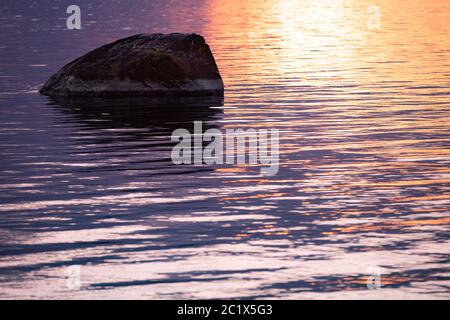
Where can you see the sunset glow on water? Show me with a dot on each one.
(363, 111)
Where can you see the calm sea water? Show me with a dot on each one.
(364, 116)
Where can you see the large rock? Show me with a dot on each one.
(141, 65)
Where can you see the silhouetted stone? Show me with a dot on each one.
(141, 65)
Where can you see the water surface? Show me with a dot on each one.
(364, 181)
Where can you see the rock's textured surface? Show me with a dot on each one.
(141, 65)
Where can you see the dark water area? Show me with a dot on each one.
(364, 175)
